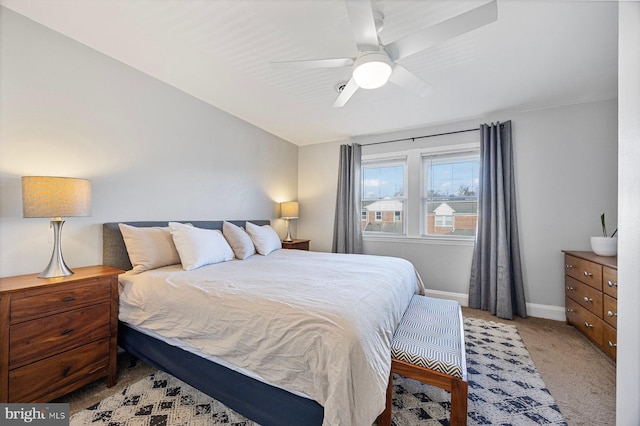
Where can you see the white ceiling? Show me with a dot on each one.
(539, 53)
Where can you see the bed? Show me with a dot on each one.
(289, 338)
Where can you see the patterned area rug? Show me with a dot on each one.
(504, 389)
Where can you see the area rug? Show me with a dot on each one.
(504, 389)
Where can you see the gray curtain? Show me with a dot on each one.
(347, 234)
(496, 273)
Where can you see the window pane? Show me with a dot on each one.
(450, 194)
(383, 197)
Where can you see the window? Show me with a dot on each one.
(444, 221)
(363, 215)
(383, 192)
(428, 193)
(450, 194)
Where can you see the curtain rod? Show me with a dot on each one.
(422, 137)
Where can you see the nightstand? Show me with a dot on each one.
(57, 334)
(296, 245)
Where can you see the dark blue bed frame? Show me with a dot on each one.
(260, 402)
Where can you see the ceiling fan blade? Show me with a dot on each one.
(445, 30)
(314, 63)
(409, 81)
(346, 94)
(364, 28)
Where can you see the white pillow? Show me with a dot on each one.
(239, 240)
(264, 238)
(199, 247)
(149, 247)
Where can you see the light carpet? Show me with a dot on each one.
(504, 389)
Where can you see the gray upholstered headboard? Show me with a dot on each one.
(114, 252)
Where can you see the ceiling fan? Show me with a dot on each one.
(376, 64)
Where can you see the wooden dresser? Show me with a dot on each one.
(57, 334)
(591, 292)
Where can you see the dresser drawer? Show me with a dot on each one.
(585, 295)
(584, 320)
(610, 341)
(588, 272)
(52, 377)
(610, 281)
(610, 311)
(39, 303)
(40, 338)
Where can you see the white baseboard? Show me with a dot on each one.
(462, 298)
(533, 309)
(546, 311)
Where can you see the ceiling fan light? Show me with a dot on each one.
(372, 70)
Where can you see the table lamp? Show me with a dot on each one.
(55, 197)
(288, 211)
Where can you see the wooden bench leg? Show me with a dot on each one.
(459, 394)
(384, 419)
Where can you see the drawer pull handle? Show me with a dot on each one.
(586, 299)
(611, 314)
(610, 284)
(586, 324)
(612, 345)
(588, 274)
(68, 299)
(567, 266)
(570, 310)
(67, 331)
(66, 371)
(570, 288)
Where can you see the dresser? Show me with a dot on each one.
(591, 293)
(57, 334)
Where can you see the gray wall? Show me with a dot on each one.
(151, 151)
(566, 176)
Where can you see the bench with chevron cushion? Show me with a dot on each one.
(428, 346)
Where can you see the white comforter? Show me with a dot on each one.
(316, 323)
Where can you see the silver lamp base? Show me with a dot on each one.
(288, 238)
(56, 266)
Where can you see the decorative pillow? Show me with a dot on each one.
(199, 247)
(239, 240)
(149, 247)
(264, 238)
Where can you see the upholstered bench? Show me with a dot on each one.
(428, 346)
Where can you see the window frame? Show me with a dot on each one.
(470, 151)
(387, 160)
(413, 205)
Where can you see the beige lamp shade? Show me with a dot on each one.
(53, 197)
(289, 210)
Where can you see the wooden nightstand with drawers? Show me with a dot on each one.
(591, 292)
(296, 245)
(57, 334)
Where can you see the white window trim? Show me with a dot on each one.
(395, 158)
(413, 232)
(424, 239)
